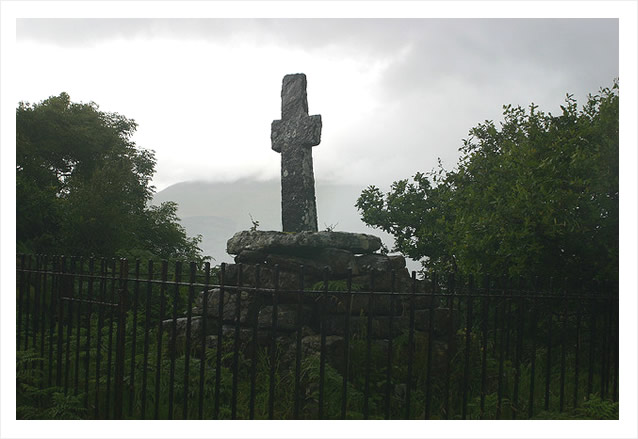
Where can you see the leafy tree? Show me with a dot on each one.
(83, 186)
(539, 195)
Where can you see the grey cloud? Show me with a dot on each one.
(363, 34)
(582, 53)
(474, 50)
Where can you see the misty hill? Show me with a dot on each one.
(219, 210)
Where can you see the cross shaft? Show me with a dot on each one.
(293, 136)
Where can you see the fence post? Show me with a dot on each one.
(484, 328)
(22, 287)
(119, 350)
(535, 289)
(28, 300)
(468, 342)
(408, 381)
(428, 371)
(273, 346)
(298, 335)
(61, 286)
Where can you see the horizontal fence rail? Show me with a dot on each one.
(133, 340)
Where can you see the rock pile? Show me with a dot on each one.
(336, 252)
(330, 254)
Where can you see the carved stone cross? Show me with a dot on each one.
(294, 136)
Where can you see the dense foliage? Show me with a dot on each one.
(83, 186)
(539, 195)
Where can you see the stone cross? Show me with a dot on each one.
(294, 136)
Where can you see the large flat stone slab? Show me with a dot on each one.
(295, 243)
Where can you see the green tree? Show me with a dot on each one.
(539, 195)
(83, 186)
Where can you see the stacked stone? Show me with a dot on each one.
(338, 252)
(334, 254)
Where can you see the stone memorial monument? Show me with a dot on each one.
(300, 242)
(277, 259)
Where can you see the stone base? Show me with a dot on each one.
(334, 256)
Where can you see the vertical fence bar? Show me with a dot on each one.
(87, 353)
(189, 329)
(187, 350)
(273, 346)
(408, 381)
(61, 288)
(577, 350)
(202, 360)
(160, 330)
(173, 340)
(110, 350)
(501, 354)
(69, 288)
(136, 298)
(603, 359)
(28, 304)
(508, 323)
(450, 343)
(366, 388)
(76, 382)
(606, 357)
(563, 349)
(220, 333)
(98, 354)
(548, 363)
(468, 345)
(43, 312)
(610, 337)
(147, 322)
(70, 284)
(346, 347)
(21, 294)
(428, 371)
(497, 332)
(322, 349)
(297, 396)
(55, 279)
(388, 369)
(236, 343)
(37, 301)
(530, 410)
(484, 327)
(519, 348)
(592, 344)
(253, 349)
(120, 352)
(615, 305)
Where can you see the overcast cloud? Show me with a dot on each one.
(394, 94)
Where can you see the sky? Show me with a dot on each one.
(394, 94)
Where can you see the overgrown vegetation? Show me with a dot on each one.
(537, 196)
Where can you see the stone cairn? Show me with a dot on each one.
(302, 256)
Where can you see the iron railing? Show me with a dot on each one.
(152, 342)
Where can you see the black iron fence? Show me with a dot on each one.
(165, 341)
